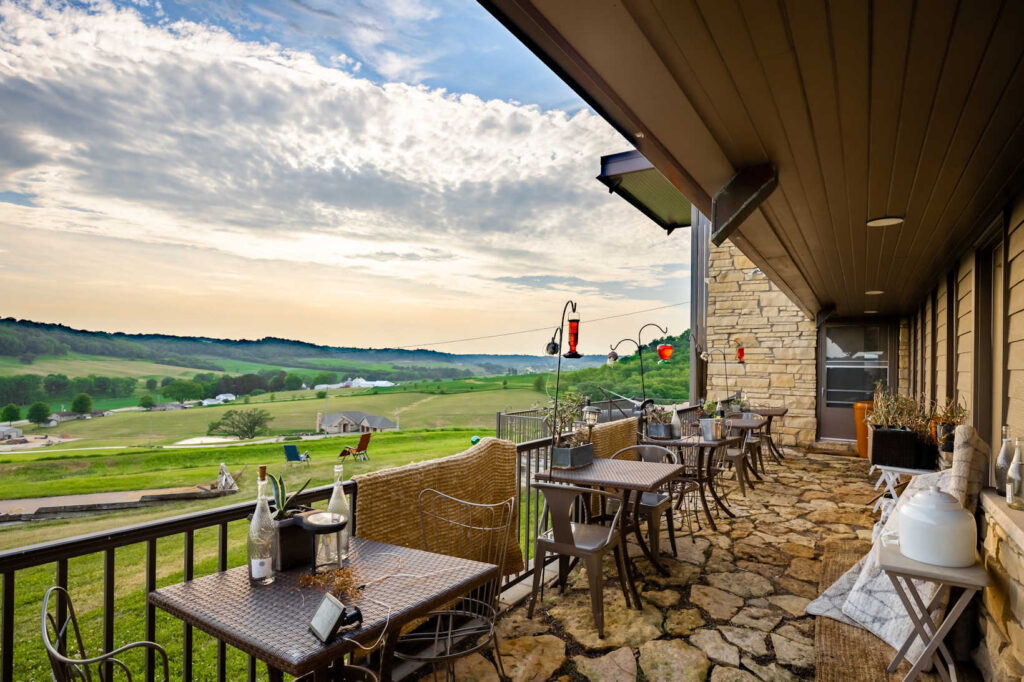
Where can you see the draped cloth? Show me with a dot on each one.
(864, 596)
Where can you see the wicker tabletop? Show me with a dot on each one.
(741, 423)
(616, 473)
(693, 442)
(272, 622)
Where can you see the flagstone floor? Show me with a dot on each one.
(732, 608)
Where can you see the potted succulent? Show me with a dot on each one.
(569, 450)
(292, 541)
(898, 432)
(944, 421)
(659, 424)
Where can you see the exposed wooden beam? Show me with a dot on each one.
(733, 203)
(822, 316)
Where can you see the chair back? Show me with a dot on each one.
(291, 453)
(468, 530)
(55, 638)
(647, 453)
(364, 442)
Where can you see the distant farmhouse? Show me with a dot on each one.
(10, 432)
(68, 416)
(353, 422)
(358, 382)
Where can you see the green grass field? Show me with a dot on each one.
(156, 468)
(77, 365)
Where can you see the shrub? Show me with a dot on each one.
(82, 404)
(147, 402)
(321, 394)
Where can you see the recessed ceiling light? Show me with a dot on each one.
(885, 221)
(874, 292)
(870, 312)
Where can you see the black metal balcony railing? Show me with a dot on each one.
(532, 456)
(528, 425)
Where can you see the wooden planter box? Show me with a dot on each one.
(293, 544)
(572, 458)
(900, 448)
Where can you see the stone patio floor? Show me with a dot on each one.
(732, 608)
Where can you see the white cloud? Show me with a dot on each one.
(183, 135)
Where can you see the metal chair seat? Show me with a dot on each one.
(586, 536)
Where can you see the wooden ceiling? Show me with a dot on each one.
(868, 109)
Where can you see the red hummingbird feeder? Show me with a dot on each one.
(574, 335)
(739, 354)
(665, 352)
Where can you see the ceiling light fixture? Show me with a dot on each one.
(885, 221)
(874, 292)
(870, 312)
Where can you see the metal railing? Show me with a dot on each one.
(523, 426)
(532, 456)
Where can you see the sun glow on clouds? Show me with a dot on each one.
(256, 163)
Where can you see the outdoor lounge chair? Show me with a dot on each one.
(56, 640)
(359, 451)
(291, 454)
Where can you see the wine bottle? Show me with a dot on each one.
(262, 541)
(1015, 481)
(1002, 463)
(338, 504)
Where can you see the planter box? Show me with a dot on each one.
(900, 448)
(572, 458)
(293, 544)
(707, 428)
(661, 431)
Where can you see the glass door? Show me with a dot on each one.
(852, 358)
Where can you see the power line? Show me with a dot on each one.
(540, 329)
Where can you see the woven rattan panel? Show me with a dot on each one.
(271, 622)
(387, 508)
(610, 437)
(614, 473)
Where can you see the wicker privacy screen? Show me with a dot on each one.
(387, 504)
(610, 437)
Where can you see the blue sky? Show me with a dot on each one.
(348, 173)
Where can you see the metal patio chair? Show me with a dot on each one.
(82, 668)
(588, 542)
(468, 530)
(357, 451)
(654, 505)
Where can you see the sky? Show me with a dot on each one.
(356, 173)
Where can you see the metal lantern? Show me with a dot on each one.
(551, 348)
(590, 415)
(665, 352)
(613, 357)
(574, 335)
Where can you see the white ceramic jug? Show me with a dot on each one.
(935, 529)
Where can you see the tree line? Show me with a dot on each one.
(23, 389)
(665, 381)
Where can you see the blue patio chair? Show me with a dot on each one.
(291, 454)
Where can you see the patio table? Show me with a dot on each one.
(271, 622)
(629, 477)
(701, 467)
(771, 413)
(747, 425)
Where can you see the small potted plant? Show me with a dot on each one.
(707, 422)
(944, 421)
(659, 424)
(568, 450)
(898, 432)
(292, 541)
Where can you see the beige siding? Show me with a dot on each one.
(965, 332)
(940, 343)
(904, 357)
(1015, 326)
(928, 363)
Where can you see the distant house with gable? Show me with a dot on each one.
(353, 422)
(226, 397)
(10, 432)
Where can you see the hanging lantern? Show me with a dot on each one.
(574, 335)
(739, 354)
(551, 348)
(613, 357)
(665, 352)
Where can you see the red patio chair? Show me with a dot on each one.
(359, 451)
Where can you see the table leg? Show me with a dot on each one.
(772, 447)
(273, 674)
(630, 568)
(902, 653)
(387, 654)
(714, 493)
(929, 634)
(932, 625)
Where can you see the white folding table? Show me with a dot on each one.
(902, 572)
(891, 477)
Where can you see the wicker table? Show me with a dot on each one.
(771, 413)
(629, 477)
(271, 622)
(702, 469)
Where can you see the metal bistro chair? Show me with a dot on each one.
(744, 458)
(654, 505)
(589, 542)
(468, 530)
(66, 669)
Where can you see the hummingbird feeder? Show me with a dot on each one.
(664, 352)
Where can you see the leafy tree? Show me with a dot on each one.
(325, 378)
(321, 394)
(539, 382)
(242, 423)
(504, 383)
(38, 413)
(10, 413)
(82, 404)
(293, 382)
(277, 382)
(182, 390)
(166, 380)
(151, 384)
(56, 385)
(147, 402)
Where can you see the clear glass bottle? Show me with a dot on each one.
(262, 542)
(338, 504)
(1002, 463)
(1015, 480)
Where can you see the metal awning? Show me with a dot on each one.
(633, 178)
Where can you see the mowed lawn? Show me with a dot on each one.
(78, 365)
(474, 409)
(155, 469)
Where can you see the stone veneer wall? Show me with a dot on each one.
(779, 341)
(1000, 655)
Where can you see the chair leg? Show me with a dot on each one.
(498, 665)
(741, 476)
(654, 532)
(620, 568)
(538, 560)
(671, 530)
(596, 579)
(563, 573)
